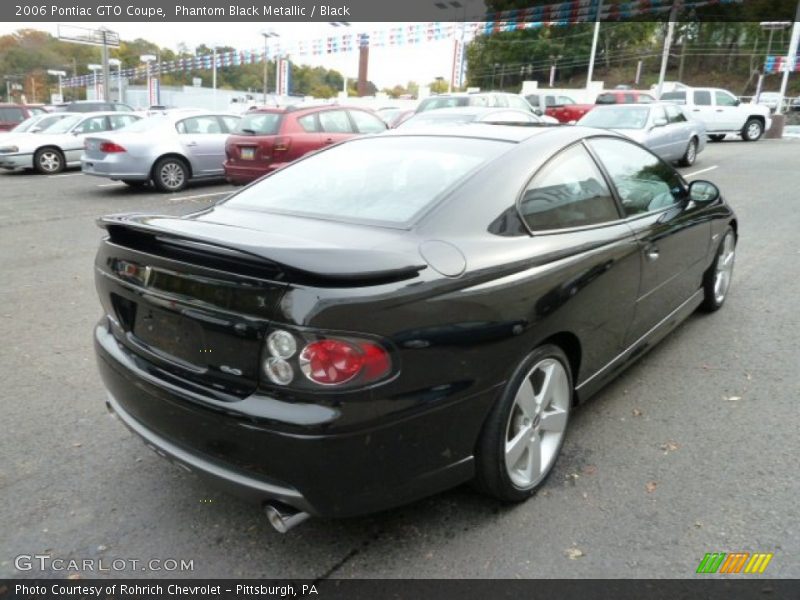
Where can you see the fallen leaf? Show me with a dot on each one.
(650, 487)
(589, 470)
(698, 525)
(77, 445)
(574, 553)
(636, 412)
(670, 446)
(732, 398)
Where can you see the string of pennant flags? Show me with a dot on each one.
(780, 64)
(559, 14)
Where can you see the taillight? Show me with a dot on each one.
(111, 147)
(324, 360)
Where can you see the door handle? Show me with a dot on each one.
(192, 144)
(695, 110)
(651, 252)
(329, 141)
(719, 110)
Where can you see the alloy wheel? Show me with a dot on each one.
(172, 175)
(724, 271)
(691, 152)
(537, 423)
(754, 130)
(50, 161)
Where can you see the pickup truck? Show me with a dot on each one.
(566, 110)
(722, 112)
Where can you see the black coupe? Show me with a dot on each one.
(398, 314)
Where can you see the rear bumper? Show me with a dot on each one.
(242, 174)
(135, 170)
(250, 452)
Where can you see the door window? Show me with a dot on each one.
(643, 181)
(724, 98)
(120, 121)
(702, 98)
(335, 121)
(645, 99)
(229, 122)
(199, 125)
(568, 192)
(675, 114)
(92, 125)
(366, 123)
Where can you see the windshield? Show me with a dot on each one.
(259, 124)
(64, 124)
(383, 179)
(616, 118)
(39, 122)
(31, 121)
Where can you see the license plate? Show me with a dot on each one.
(248, 153)
(175, 335)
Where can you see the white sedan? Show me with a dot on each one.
(60, 145)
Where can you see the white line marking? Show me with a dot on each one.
(110, 184)
(179, 198)
(701, 171)
(64, 175)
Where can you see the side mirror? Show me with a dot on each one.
(737, 102)
(538, 111)
(703, 192)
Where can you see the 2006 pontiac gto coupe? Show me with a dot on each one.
(399, 314)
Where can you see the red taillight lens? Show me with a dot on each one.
(111, 147)
(333, 362)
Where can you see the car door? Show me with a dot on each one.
(202, 139)
(672, 236)
(73, 145)
(336, 126)
(703, 109)
(726, 106)
(681, 131)
(570, 211)
(659, 136)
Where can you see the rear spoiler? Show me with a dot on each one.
(294, 258)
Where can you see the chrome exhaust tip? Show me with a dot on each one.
(283, 517)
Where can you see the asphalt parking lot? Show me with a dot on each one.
(692, 450)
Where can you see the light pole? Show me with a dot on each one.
(595, 35)
(95, 69)
(267, 33)
(58, 74)
(115, 62)
(791, 57)
(147, 59)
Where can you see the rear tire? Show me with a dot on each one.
(48, 161)
(524, 432)
(690, 155)
(752, 130)
(716, 137)
(170, 174)
(717, 280)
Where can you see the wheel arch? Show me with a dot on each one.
(571, 345)
(177, 155)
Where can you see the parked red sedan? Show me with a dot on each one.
(12, 115)
(268, 138)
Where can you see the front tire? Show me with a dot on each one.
(525, 430)
(690, 155)
(48, 161)
(753, 130)
(170, 174)
(717, 280)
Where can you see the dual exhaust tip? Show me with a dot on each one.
(283, 517)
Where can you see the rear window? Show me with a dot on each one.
(14, 115)
(606, 99)
(384, 180)
(259, 124)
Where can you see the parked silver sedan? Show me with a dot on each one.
(170, 150)
(662, 127)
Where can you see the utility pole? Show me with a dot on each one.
(596, 34)
(673, 13)
(790, 59)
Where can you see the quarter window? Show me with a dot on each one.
(335, 121)
(568, 192)
(644, 182)
(309, 123)
(120, 121)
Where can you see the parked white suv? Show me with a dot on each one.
(722, 112)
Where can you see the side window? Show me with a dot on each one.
(335, 121)
(549, 100)
(644, 183)
(229, 123)
(366, 123)
(675, 114)
(646, 99)
(92, 125)
(478, 101)
(120, 121)
(14, 115)
(533, 99)
(659, 114)
(564, 100)
(702, 98)
(518, 103)
(724, 98)
(309, 123)
(568, 192)
(629, 98)
(199, 125)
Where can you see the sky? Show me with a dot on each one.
(387, 66)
